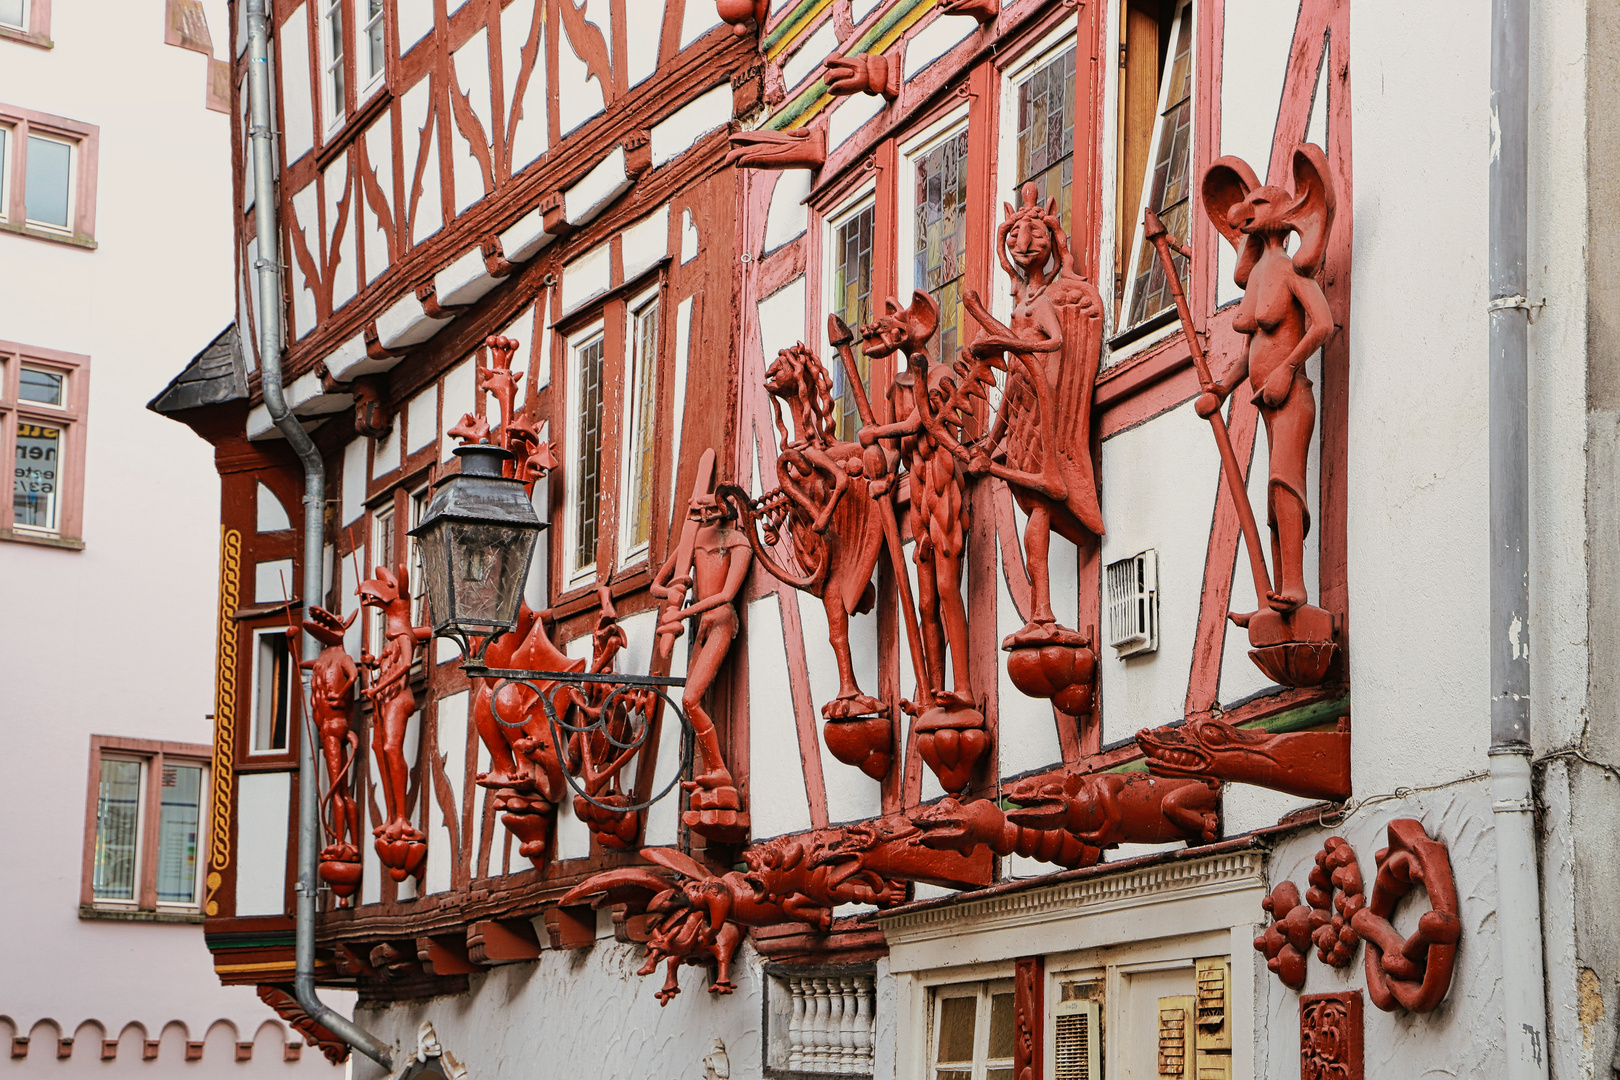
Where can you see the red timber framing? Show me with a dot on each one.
(712, 396)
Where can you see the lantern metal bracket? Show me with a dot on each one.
(642, 716)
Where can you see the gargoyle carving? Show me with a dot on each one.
(983, 10)
(800, 148)
(401, 846)
(1413, 972)
(949, 825)
(864, 73)
(331, 690)
(1105, 810)
(1310, 764)
(1286, 318)
(1287, 941)
(699, 915)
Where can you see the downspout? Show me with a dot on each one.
(268, 313)
(1518, 876)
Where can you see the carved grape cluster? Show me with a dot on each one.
(1335, 895)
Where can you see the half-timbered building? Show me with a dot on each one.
(1036, 457)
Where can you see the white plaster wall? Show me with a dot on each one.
(584, 1014)
(155, 291)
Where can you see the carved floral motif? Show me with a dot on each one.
(1330, 1039)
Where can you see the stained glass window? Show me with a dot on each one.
(118, 816)
(588, 458)
(643, 382)
(1046, 135)
(852, 302)
(1168, 187)
(941, 234)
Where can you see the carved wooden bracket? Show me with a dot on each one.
(983, 10)
(864, 73)
(286, 1006)
(1310, 764)
(1330, 1041)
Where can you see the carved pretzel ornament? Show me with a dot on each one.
(1410, 972)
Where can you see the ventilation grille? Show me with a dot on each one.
(1133, 604)
(1076, 1036)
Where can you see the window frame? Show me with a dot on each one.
(981, 991)
(294, 686)
(376, 79)
(852, 205)
(649, 298)
(574, 574)
(83, 142)
(923, 140)
(68, 417)
(334, 107)
(35, 28)
(153, 755)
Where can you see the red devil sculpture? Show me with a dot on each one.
(331, 690)
(401, 846)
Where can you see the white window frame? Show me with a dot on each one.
(375, 78)
(1013, 79)
(29, 363)
(334, 112)
(980, 990)
(8, 153)
(378, 621)
(415, 581)
(23, 26)
(946, 127)
(141, 796)
(574, 574)
(73, 146)
(202, 830)
(632, 553)
(294, 684)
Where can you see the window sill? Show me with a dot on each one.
(132, 915)
(23, 37)
(74, 240)
(67, 543)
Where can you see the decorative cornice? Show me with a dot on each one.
(1086, 896)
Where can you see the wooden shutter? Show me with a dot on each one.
(1078, 1055)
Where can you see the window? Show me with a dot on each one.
(850, 277)
(641, 421)
(1045, 142)
(376, 45)
(971, 1036)
(1155, 153)
(332, 86)
(26, 21)
(145, 819)
(940, 177)
(272, 691)
(42, 398)
(418, 586)
(585, 450)
(382, 554)
(47, 175)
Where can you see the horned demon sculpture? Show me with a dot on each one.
(401, 846)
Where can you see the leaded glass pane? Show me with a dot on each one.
(179, 811)
(644, 382)
(941, 234)
(852, 302)
(1168, 185)
(1046, 136)
(588, 460)
(118, 818)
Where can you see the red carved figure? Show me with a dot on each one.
(800, 148)
(1335, 895)
(952, 826)
(1287, 941)
(331, 691)
(1330, 1040)
(1310, 764)
(598, 756)
(866, 73)
(837, 530)
(712, 560)
(950, 730)
(401, 846)
(1040, 442)
(1286, 318)
(1105, 810)
(1413, 972)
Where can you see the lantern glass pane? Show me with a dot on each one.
(489, 563)
(435, 573)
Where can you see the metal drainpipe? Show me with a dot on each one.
(1518, 876)
(268, 312)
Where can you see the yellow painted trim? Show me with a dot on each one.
(793, 36)
(268, 965)
(219, 811)
(905, 22)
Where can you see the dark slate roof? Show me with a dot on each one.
(214, 376)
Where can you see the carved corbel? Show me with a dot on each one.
(427, 295)
(446, 955)
(286, 1006)
(800, 148)
(374, 345)
(495, 262)
(394, 961)
(1310, 764)
(372, 415)
(743, 15)
(551, 215)
(985, 11)
(571, 927)
(865, 73)
(637, 153)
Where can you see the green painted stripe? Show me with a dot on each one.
(217, 942)
(788, 25)
(818, 89)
